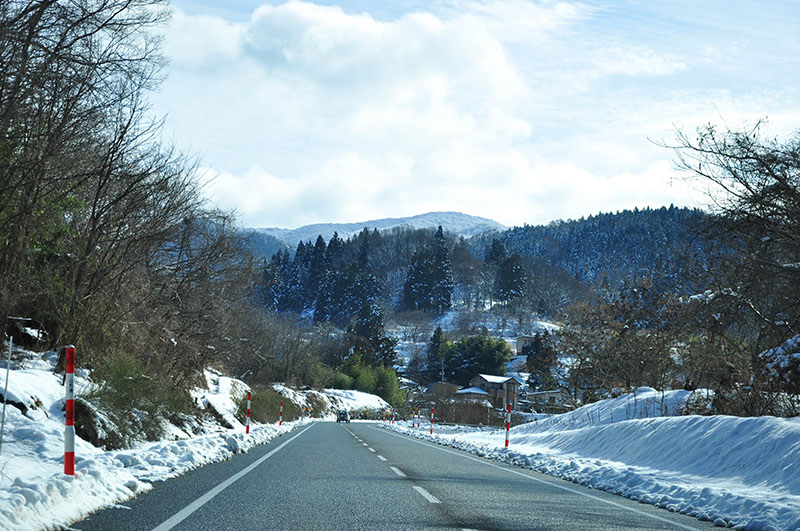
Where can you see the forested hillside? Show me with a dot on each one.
(606, 249)
(540, 268)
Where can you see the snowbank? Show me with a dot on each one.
(356, 400)
(35, 493)
(742, 472)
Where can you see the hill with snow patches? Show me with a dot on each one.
(453, 222)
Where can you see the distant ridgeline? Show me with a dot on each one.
(603, 250)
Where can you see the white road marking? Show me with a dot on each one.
(365, 444)
(371, 450)
(427, 495)
(551, 483)
(382, 458)
(184, 513)
(397, 471)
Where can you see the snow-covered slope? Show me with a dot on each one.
(738, 472)
(454, 222)
(35, 493)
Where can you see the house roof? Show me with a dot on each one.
(497, 379)
(472, 390)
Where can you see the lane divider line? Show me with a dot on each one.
(427, 495)
(398, 471)
(371, 450)
(187, 511)
(550, 483)
(382, 458)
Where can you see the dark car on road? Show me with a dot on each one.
(343, 416)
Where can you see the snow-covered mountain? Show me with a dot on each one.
(454, 222)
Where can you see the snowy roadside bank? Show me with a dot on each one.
(35, 493)
(735, 472)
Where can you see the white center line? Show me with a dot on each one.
(371, 450)
(427, 495)
(397, 471)
(365, 444)
(382, 458)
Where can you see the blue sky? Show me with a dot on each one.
(519, 111)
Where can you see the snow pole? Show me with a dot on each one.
(5, 392)
(280, 422)
(247, 423)
(419, 414)
(392, 416)
(508, 422)
(69, 430)
(431, 421)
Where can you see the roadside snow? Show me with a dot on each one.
(738, 472)
(356, 400)
(35, 493)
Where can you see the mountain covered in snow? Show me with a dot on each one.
(453, 222)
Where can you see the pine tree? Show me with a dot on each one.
(441, 276)
(511, 279)
(317, 269)
(434, 361)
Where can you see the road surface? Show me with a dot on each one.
(359, 476)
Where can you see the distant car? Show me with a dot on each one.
(343, 416)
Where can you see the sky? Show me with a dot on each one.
(521, 111)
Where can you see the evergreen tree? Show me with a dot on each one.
(380, 348)
(474, 355)
(334, 252)
(496, 254)
(417, 284)
(434, 361)
(541, 359)
(441, 276)
(317, 269)
(511, 279)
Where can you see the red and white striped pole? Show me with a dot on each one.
(431, 421)
(419, 414)
(280, 422)
(508, 422)
(247, 425)
(69, 431)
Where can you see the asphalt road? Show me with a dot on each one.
(359, 476)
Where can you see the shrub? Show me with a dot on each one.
(265, 405)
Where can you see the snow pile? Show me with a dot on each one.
(35, 493)
(356, 400)
(742, 472)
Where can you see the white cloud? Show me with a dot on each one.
(522, 111)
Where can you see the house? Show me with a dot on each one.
(551, 401)
(472, 393)
(498, 389)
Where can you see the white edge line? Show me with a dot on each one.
(427, 495)
(184, 513)
(552, 484)
(398, 471)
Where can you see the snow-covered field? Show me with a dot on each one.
(737, 472)
(35, 493)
